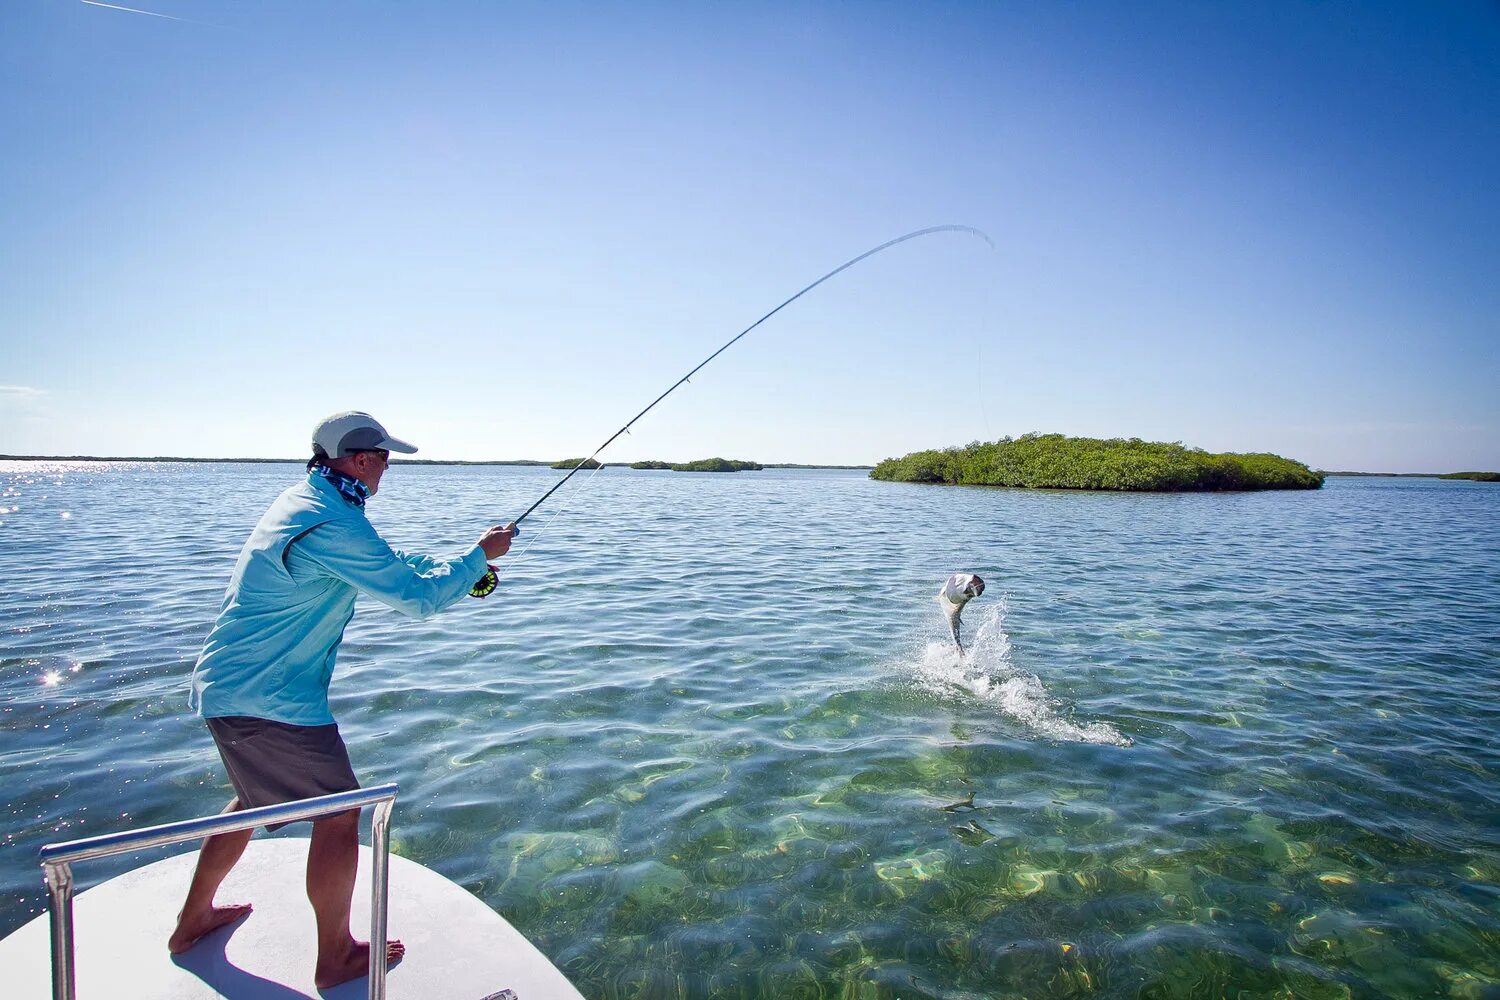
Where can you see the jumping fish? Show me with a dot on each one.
(960, 589)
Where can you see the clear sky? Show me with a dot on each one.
(504, 228)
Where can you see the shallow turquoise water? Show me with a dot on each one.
(707, 740)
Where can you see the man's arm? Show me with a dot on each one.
(417, 586)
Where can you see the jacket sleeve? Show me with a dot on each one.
(416, 560)
(418, 586)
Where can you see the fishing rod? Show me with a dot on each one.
(842, 267)
(491, 581)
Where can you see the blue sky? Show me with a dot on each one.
(504, 228)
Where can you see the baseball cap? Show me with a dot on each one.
(342, 433)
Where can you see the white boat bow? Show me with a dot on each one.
(457, 948)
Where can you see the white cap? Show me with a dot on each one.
(342, 433)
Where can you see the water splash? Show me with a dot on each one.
(985, 672)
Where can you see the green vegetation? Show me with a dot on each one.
(799, 465)
(717, 465)
(1478, 477)
(573, 463)
(702, 465)
(1055, 461)
(1379, 475)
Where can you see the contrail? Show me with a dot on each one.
(148, 13)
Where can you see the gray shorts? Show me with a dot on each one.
(272, 762)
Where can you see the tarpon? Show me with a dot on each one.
(960, 589)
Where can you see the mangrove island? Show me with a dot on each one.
(702, 465)
(1056, 461)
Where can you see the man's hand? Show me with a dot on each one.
(496, 541)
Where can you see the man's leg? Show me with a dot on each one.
(199, 914)
(332, 860)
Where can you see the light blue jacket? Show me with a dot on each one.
(273, 646)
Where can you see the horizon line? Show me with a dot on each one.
(542, 463)
(394, 461)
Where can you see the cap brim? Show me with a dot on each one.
(398, 445)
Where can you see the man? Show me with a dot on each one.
(261, 683)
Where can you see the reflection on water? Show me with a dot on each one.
(710, 739)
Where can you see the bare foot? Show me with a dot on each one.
(190, 930)
(353, 963)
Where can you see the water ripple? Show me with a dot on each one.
(1200, 744)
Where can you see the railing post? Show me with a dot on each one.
(380, 856)
(60, 908)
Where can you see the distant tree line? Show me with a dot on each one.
(1056, 461)
(701, 465)
(1478, 477)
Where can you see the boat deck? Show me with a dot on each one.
(456, 947)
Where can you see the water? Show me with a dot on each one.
(708, 741)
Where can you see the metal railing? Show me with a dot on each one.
(57, 861)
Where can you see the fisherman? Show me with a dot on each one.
(958, 590)
(261, 682)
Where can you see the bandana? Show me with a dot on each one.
(349, 488)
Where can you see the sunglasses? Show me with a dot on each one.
(385, 456)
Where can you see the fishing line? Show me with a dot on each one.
(490, 581)
(842, 267)
(555, 515)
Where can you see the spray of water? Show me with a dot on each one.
(985, 673)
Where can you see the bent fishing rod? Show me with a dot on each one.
(842, 267)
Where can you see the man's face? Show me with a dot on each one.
(369, 466)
